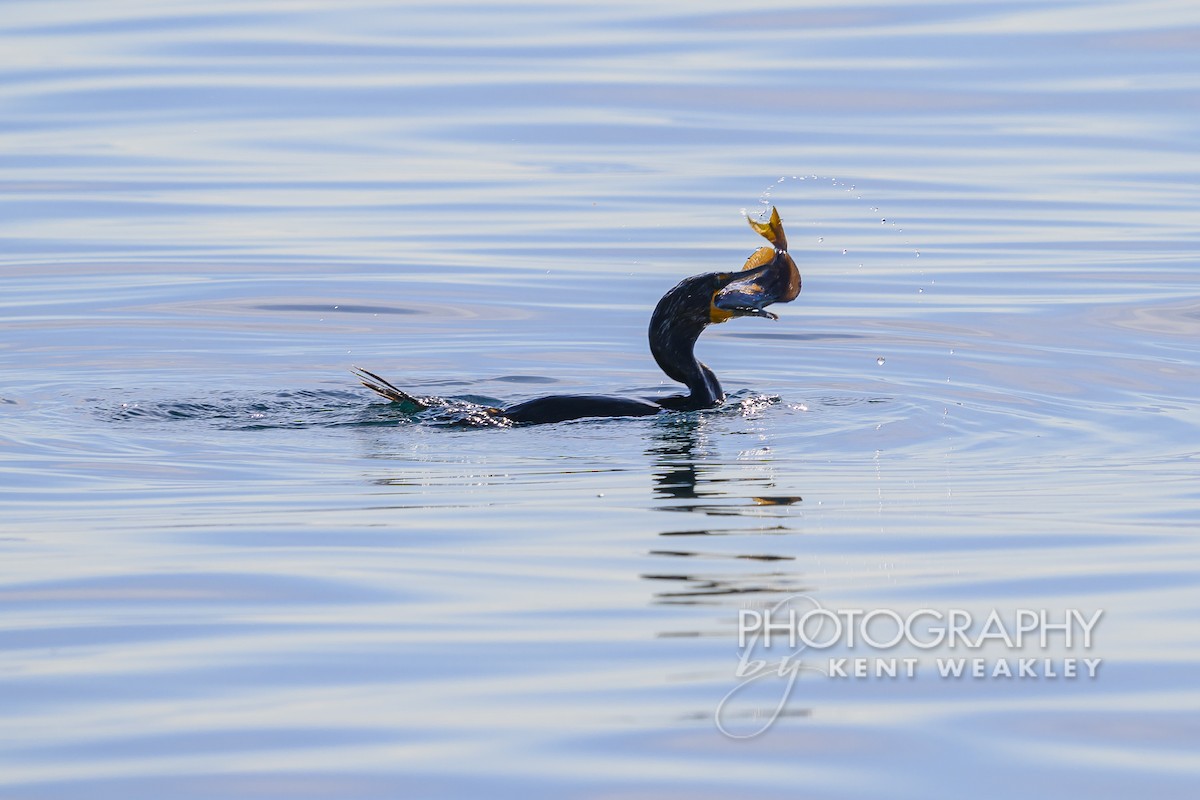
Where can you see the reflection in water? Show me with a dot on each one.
(687, 469)
(676, 473)
(699, 588)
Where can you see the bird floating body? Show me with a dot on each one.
(768, 276)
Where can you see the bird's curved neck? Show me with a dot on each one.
(673, 344)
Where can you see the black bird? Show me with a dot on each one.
(769, 276)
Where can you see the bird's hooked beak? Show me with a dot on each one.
(769, 276)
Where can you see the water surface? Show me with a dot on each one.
(229, 571)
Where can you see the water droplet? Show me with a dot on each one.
(820, 239)
(880, 361)
(918, 253)
(883, 222)
(844, 251)
(920, 291)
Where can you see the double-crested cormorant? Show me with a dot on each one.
(769, 276)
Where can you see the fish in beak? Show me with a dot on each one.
(769, 276)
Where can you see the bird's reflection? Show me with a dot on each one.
(690, 476)
(734, 556)
(675, 453)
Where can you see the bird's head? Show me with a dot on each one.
(769, 276)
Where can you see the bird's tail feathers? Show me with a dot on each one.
(385, 388)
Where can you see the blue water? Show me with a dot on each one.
(228, 571)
